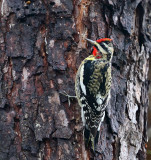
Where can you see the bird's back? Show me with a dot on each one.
(93, 80)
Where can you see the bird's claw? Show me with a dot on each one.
(67, 95)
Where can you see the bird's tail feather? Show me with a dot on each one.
(97, 137)
(90, 140)
(86, 137)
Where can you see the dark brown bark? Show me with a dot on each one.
(42, 43)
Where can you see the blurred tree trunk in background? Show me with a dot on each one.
(42, 43)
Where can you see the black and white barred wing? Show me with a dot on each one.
(87, 90)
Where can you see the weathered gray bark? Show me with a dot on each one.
(149, 115)
(42, 43)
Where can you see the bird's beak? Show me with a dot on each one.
(91, 41)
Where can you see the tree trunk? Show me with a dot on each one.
(42, 43)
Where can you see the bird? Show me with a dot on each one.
(92, 86)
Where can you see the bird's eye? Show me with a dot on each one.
(110, 44)
(107, 42)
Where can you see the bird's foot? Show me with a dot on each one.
(68, 96)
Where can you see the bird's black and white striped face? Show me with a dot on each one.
(106, 48)
(103, 48)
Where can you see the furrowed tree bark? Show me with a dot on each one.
(42, 44)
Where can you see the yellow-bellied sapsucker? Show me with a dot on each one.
(92, 85)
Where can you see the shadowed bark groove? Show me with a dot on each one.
(42, 44)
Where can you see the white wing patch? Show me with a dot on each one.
(82, 116)
(81, 80)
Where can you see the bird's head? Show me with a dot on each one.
(102, 48)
